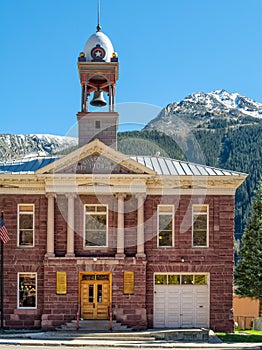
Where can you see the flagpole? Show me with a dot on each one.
(4, 237)
(2, 285)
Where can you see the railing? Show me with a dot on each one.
(78, 316)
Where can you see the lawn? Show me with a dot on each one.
(241, 336)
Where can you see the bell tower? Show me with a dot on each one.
(98, 73)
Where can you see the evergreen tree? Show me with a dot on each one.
(248, 273)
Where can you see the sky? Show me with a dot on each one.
(167, 50)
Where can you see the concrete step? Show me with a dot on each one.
(93, 326)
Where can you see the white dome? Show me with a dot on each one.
(103, 41)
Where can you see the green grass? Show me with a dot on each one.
(241, 336)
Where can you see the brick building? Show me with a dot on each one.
(96, 234)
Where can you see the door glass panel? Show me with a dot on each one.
(99, 293)
(173, 279)
(160, 279)
(88, 277)
(102, 277)
(187, 279)
(91, 293)
(200, 279)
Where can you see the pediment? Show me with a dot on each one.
(95, 158)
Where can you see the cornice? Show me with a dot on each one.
(112, 183)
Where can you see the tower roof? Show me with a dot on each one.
(98, 47)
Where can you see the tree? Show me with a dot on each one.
(248, 272)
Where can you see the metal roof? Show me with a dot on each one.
(26, 165)
(168, 166)
(161, 165)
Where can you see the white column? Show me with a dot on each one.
(140, 253)
(120, 253)
(50, 244)
(70, 250)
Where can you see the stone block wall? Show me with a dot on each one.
(216, 259)
(133, 310)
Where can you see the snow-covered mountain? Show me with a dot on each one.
(31, 145)
(200, 110)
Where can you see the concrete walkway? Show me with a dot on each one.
(130, 340)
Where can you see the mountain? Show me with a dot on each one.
(18, 146)
(205, 110)
(219, 128)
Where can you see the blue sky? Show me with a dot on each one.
(167, 49)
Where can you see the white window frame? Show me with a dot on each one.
(84, 228)
(180, 274)
(18, 224)
(173, 223)
(18, 291)
(199, 213)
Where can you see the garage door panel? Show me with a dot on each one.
(172, 307)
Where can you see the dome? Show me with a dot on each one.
(98, 48)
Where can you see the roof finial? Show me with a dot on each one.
(98, 27)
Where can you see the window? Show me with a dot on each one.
(25, 225)
(200, 226)
(165, 226)
(181, 279)
(95, 226)
(26, 290)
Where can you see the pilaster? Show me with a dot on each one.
(140, 225)
(120, 225)
(70, 251)
(50, 245)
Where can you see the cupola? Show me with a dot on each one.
(98, 73)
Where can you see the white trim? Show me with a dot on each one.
(200, 213)
(18, 224)
(173, 224)
(18, 290)
(84, 228)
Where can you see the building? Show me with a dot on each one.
(147, 241)
(245, 311)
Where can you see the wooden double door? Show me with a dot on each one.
(95, 296)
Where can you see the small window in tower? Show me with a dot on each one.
(97, 124)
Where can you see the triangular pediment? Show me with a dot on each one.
(95, 158)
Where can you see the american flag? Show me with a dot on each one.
(3, 231)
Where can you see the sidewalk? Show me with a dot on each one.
(115, 340)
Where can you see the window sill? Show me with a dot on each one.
(27, 310)
(95, 247)
(200, 247)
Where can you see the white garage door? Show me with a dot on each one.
(181, 301)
